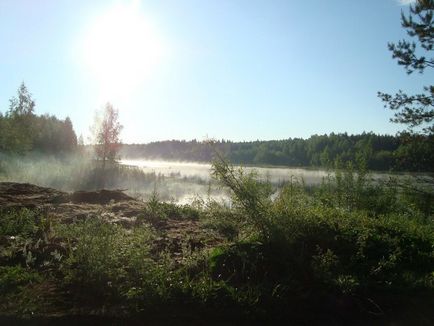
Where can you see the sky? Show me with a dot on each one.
(192, 69)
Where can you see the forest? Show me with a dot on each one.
(22, 131)
(404, 152)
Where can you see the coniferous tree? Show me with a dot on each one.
(19, 125)
(415, 110)
(70, 140)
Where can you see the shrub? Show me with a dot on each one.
(105, 261)
(310, 247)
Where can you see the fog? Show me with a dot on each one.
(274, 175)
(81, 172)
(184, 182)
(178, 182)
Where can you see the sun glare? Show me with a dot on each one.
(120, 49)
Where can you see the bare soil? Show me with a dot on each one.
(114, 206)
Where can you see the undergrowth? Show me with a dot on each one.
(332, 254)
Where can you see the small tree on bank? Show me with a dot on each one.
(106, 131)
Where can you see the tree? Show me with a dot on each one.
(414, 110)
(19, 124)
(106, 131)
(23, 104)
(69, 136)
(3, 130)
(80, 141)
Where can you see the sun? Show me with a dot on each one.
(120, 49)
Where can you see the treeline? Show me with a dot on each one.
(21, 130)
(405, 152)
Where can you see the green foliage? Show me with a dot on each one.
(13, 277)
(18, 222)
(248, 194)
(415, 110)
(155, 208)
(343, 246)
(22, 131)
(417, 195)
(293, 252)
(28, 239)
(355, 190)
(406, 152)
(227, 221)
(53, 135)
(104, 258)
(325, 254)
(18, 122)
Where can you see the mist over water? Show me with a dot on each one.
(169, 168)
(80, 172)
(187, 181)
(174, 181)
(201, 170)
(182, 182)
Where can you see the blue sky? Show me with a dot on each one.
(232, 69)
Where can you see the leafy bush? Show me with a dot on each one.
(249, 195)
(226, 221)
(105, 260)
(310, 247)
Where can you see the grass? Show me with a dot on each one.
(346, 252)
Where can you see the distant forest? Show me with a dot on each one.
(21, 130)
(404, 152)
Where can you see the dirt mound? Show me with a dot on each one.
(14, 194)
(99, 197)
(175, 233)
(29, 195)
